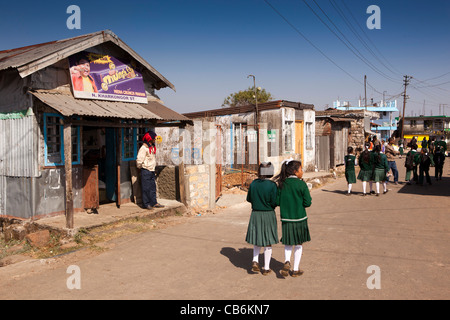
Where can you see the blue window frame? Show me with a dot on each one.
(129, 146)
(54, 141)
(132, 141)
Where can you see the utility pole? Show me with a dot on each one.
(365, 93)
(406, 80)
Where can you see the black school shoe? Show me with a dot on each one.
(158, 206)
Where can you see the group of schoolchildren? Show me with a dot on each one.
(374, 168)
(432, 154)
(288, 191)
(374, 165)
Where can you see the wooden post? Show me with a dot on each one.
(68, 172)
(118, 133)
(181, 177)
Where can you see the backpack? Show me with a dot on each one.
(409, 162)
(425, 160)
(437, 147)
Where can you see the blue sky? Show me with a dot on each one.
(208, 48)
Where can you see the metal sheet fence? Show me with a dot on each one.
(19, 152)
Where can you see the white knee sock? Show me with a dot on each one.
(267, 257)
(377, 185)
(384, 186)
(287, 253)
(256, 251)
(364, 186)
(297, 256)
(349, 187)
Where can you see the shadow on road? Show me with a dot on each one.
(438, 188)
(242, 258)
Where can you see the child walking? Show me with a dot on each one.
(350, 175)
(424, 166)
(365, 174)
(381, 167)
(411, 164)
(293, 198)
(262, 227)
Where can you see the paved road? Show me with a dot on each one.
(405, 234)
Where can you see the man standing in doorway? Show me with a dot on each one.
(146, 161)
(390, 154)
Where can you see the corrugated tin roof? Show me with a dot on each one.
(30, 59)
(67, 105)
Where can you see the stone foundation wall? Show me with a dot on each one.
(197, 186)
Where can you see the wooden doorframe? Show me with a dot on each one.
(219, 158)
(299, 139)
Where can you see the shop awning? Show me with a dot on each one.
(67, 105)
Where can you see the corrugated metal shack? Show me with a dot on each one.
(58, 153)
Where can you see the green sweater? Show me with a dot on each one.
(380, 163)
(293, 198)
(366, 166)
(262, 194)
(349, 162)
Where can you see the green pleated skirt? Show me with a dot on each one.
(350, 176)
(262, 229)
(365, 175)
(295, 233)
(379, 175)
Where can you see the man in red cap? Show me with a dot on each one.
(146, 161)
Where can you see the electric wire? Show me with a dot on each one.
(359, 55)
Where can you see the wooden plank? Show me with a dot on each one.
(136, 183)
(118, 133)
(90, 187)
(299, 139)
(68, 173)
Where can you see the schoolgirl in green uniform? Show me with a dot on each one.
(262, 227)
(350, 175)
(293, 198)
(411, 164)
(381, 167)
(365, 174)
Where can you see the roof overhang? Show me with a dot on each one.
(30, 59)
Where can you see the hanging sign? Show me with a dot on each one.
(103, 77)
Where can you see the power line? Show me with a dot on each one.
(316, 47)
(310, 42)
(355, 32)
(367, 37)
(359, 55)
(442, 75)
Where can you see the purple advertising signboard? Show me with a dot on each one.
(103, 77)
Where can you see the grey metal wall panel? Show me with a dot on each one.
(19, 140)
(2, 195)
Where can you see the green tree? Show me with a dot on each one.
(246, 97)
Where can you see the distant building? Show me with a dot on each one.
(338, 129)
(426, 126)
(386, 123)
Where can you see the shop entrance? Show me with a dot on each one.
(99, 167)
